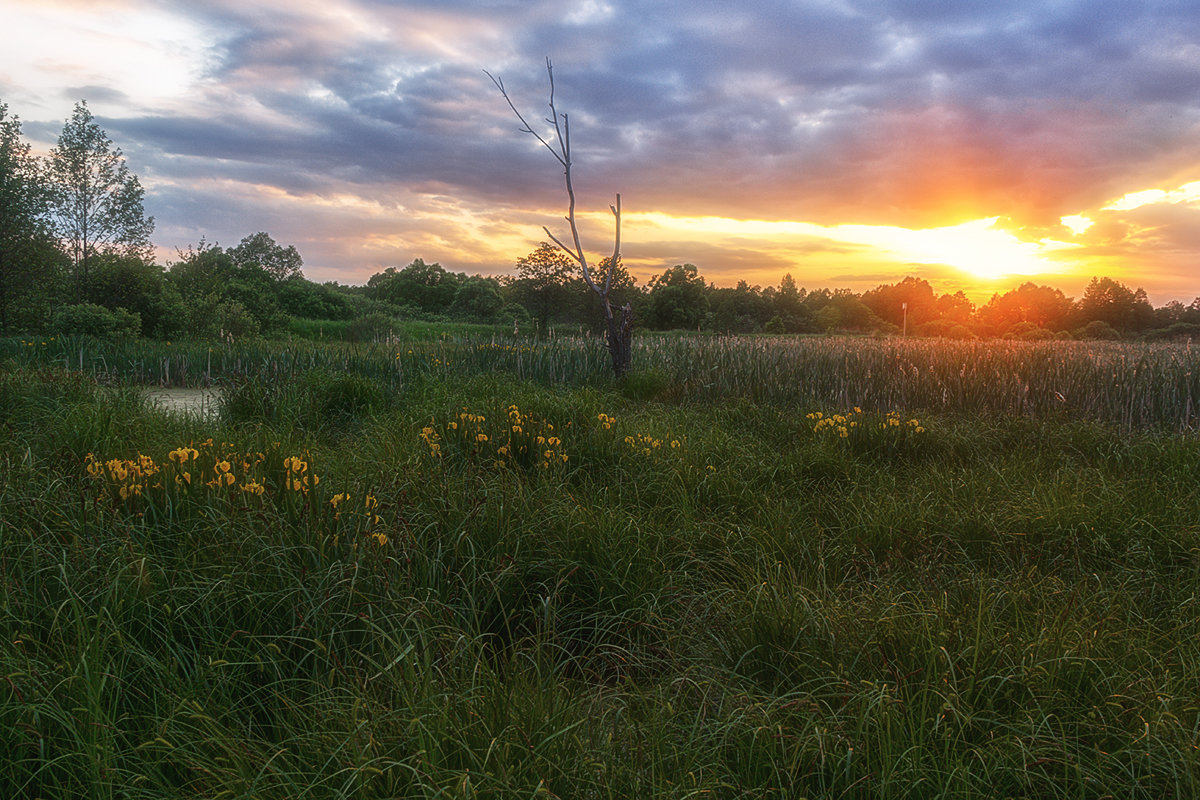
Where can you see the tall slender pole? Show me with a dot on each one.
(904, 307)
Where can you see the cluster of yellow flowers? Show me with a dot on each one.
(518, 439)
(205, 472)
(647, 445)
(343, 507)
(200, 467)
(892, 420)
(432, 440)
(297, 478)
(840, 425)
(652, 447)
(36, 343)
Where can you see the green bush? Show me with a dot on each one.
(520, 317)
(1028, 332)
(1098, 329)
(89, 319)
(226, 320)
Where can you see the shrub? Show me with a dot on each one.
(89, 319)
(234, 322)
(1098, 329)
(223, 319)
(959, 332)
(1028, 332)
(1177, 331)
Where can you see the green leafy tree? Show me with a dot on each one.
(544, 283)
(909, 302)
(478, 299)
(96, 201)
(954, 309)
(27, 255)
(1124, 309)
(218, 294)
(1044, 306)
(259, 249)
(425, 287)
(678, 298)
(201, 270)
(793, 315)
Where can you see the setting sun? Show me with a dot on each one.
(978, 248)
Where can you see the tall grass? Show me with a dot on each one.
(999, 605)
(1135, 385)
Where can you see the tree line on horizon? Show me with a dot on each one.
(76, 257)
(546, 291)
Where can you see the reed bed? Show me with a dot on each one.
(1134, 385)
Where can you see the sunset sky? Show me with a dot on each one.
(848, 142)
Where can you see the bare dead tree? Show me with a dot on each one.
(619, 332)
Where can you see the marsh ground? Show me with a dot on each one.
(460, 568)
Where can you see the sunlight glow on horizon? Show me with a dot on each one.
(978, 247)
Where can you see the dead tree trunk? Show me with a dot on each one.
(618, 331)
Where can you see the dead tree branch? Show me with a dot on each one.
(618, 334)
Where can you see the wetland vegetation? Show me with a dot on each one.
(462, 564)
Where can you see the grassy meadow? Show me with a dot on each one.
(460, 564)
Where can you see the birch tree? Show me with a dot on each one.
(96, 201)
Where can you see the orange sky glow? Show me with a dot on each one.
(848, 144)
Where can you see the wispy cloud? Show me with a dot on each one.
(366, 132)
